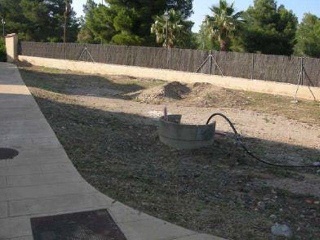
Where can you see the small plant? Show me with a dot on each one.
(3, 54)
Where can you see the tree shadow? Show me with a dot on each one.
(62, 82)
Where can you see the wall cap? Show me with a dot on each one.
(11, 35)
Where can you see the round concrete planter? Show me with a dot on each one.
(184, 136)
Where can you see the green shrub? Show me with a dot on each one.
(3, 54)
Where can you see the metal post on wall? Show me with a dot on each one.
(301, 78)
(211, 60)
(302, 70)
(305, 74)
(252, 67)
(168, 58)
(88, 54)
(65, 50)
(210, 65)
(213, 65)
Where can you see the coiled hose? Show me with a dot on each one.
(239, 141)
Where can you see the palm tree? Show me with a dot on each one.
(223, 24)
(168, 27)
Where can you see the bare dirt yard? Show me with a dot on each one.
(108, 127)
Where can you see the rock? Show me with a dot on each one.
(261, 205)
(273, 216)
(281, 230)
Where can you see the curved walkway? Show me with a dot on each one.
(41, 180)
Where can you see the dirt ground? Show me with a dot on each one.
(108, 126)
(196, 103)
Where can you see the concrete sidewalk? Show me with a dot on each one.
(41, 180)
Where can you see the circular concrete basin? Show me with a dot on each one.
(185, 136)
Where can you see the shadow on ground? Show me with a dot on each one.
(84, 84)
(158, 92)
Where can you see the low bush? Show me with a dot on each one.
(3, 54)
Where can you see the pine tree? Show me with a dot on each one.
(308, 36)
(269, 29)
(40, 20)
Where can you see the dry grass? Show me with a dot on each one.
(208, 190)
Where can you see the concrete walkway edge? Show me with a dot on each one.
(41, 180)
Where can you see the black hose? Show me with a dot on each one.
(239, 141)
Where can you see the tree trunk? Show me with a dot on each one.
(223, 45)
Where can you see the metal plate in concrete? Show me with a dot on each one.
(8, 153)
(84, 225)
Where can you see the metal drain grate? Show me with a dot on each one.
(93, 225)
(8, 153)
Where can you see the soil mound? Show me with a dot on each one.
(167, 92)
(208, 95)
(197, 94)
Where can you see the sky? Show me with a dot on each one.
(201, 8)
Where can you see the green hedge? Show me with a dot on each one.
(3, 54)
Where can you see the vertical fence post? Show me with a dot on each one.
(127, 54)
(252, 66)
(169, 56)
(210, 63)
(65, 50)
(302, 70)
